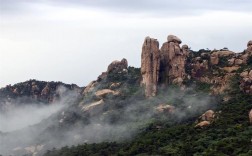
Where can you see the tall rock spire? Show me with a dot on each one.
(172, 69)
(165, 66)
(150, 64)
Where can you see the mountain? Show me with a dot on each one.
(32, 91)
(180, 102)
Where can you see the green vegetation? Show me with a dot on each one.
(229, 135)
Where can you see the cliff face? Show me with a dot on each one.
(172, 61)
(164, 66)
(173, 64)
(150, 65)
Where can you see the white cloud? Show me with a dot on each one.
(75, 44)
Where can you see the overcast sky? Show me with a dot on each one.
(73, 41)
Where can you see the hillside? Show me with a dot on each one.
(180, 102)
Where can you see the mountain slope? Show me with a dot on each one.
(179, 102)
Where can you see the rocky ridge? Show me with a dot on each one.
(173, 64)
(32, 91)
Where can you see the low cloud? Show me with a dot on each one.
(123, 120)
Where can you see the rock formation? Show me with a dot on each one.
(93, 108)
(246, 81)
(105, 92)
(173, 61)
(206, 119)
(150, 64)
(30, 91)
(164, 66)
(203, 124)
(207, 116)
(165, 108)
(118, 66)
(249, 46)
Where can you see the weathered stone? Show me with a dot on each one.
(214, 58)
(46, 90)
(150, 64)
(103, 76)
(208, 116)
(165, 108)
(231, 69)
(246, 82)
(250, 74)
(115, 85)
(93, 108)
(249, 45)
(244, 74)
(104, 92)
(203, 124)
(238, 61)
(225, 53)
(90, 87)
(231, 61)
(185, 49)
(173, 38)
(118, 66)
(172, 64)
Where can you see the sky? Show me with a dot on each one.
(73, 41)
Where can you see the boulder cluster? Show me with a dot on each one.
(162, 66)
(206, 119)
(246, 81)
(172, 64)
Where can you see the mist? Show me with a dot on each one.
(35, 129)
(22, 117)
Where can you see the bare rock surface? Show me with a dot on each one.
(104, 92)
(150, 64)
(165, 108)
(203, 124)
(118, 66)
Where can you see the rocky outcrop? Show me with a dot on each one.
(206, 119)
(163, 108)
(90, 87)
(172, 65)
(175, 39)
(203, 124)
(246, 81)
(207, 116)
(118, 66)
(164, 66)
(150, 64)
(249, 46)
(106, 92)
(115, 67)
(32, 92)
(214, 58)
(93, 108)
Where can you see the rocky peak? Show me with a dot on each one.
(32, 92)
(150, 64)
(118, 65)
(164, 66)
(249, 45)
(171, 64)
(173, 38)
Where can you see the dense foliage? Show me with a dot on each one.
(229, 134)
